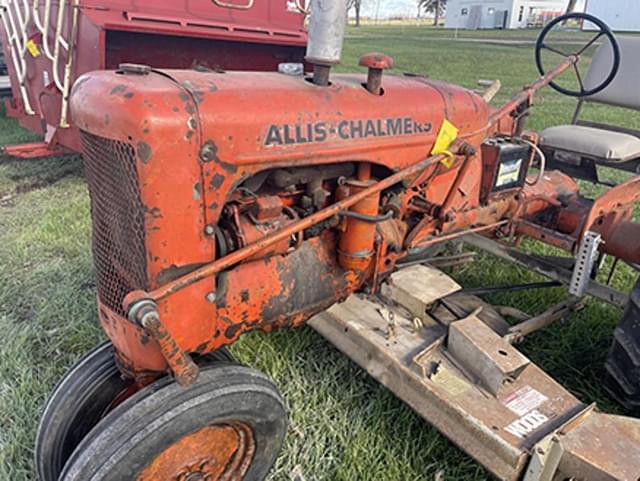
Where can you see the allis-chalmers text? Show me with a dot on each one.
(345, 130)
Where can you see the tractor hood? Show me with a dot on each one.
(248, 119)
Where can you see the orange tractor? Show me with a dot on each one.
(226, 202)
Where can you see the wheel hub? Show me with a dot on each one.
(221, 452)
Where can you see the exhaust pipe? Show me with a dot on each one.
(327, 24)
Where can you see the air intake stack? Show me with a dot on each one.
(327, 24)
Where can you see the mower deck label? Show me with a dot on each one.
(524, 400)
(527, 424)
(291, 134)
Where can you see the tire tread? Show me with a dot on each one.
(622, 369)
(147, 411)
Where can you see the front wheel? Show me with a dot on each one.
(229, 425)
(85, 395)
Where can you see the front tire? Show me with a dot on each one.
(76, 404)
(87, 392)
(229, 425)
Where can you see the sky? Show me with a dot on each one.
(388, 8)
(405, 8)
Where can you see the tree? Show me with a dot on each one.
(572, 6)
(435, 7)
(355, 4)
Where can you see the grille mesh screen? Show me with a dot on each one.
(118, 241)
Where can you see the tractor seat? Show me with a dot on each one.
(579, 149)
(592, 142)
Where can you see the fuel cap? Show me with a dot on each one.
(376, 62)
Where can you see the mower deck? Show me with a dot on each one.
(475, 387)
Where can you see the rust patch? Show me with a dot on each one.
(118, 89)
(216, 181)
(198, 95)
(197, 191)
(232, 331)
(244, 295)
(231, 168)
(144, 151)
(174, 272)
(153, 212)
(187, 101)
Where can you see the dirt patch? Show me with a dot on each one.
(29, 175)
(37, 183)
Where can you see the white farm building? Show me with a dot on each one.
(474, 14)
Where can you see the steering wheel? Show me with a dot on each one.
(604, 30)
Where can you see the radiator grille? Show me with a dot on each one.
(117, 212)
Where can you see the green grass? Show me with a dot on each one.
(428, 31)
(344, 426)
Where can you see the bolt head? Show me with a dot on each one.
(211, 297)
(209, 229)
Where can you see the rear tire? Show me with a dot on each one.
(231, 422)
(622, 378)
(86, 393)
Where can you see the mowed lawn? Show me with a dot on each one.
(344, 426)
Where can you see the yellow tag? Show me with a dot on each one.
(449, 381)
(448, 133)
(33, 49)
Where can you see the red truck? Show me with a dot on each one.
(47, 45)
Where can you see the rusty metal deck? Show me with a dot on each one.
(475, 387)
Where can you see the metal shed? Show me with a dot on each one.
(507, 14)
